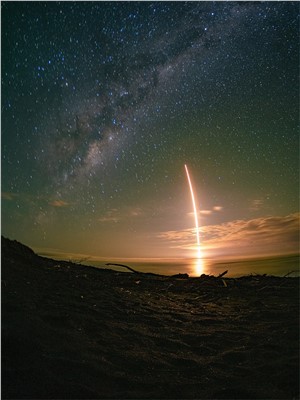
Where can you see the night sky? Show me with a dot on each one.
(104, 102)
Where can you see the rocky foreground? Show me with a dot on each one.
(76, 332)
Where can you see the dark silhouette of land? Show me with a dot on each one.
(76, 332)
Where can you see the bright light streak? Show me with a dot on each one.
(195, 210)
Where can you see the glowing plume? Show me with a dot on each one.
(195, 210)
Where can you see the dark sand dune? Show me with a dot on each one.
(74, 332)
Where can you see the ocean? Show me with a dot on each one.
(276, 265)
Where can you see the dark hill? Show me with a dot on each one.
(13, 249)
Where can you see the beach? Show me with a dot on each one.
(76, 332)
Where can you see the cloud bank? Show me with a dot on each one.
(265, 235)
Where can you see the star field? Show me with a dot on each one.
(104, 102)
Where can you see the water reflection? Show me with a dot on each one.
(199, 266)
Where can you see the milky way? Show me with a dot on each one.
(104, 102)
(131, 71)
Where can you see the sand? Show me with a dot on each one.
(74, 332)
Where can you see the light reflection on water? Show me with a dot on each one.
(198, 266)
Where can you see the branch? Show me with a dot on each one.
(289, 273)
(124, 266)
(222, 274)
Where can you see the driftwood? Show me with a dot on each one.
(125, 266)
(289, 273)
(181, 276)
(203, 277)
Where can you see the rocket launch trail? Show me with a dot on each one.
(195, 209)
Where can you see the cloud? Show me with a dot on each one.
(8, 196)
(110, 216)
(253, 230)
(59, 203)
(256, 204)
(217, 208)
(266, 235)
(205, 212)
(116, 215)
(136, 212)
